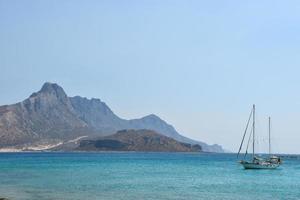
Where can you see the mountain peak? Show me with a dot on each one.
(51, 88)
(152, 116)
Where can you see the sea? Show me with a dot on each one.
(142, 176)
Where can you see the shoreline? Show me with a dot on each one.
(39, 147)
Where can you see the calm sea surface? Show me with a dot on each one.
(149, 176)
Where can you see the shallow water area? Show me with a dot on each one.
(108, 176)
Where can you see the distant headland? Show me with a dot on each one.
(49, 119)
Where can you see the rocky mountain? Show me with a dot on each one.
(137, 140)
(49, 117)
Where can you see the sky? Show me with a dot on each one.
(199, 65)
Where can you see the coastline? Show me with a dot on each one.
(39, 147)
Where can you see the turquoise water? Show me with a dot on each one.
(149, 176)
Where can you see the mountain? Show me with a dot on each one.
(137, 140)
(49, 117)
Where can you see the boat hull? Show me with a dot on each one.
(247, 165)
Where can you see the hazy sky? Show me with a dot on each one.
(199, 65)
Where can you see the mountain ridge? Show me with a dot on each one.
(50, 116)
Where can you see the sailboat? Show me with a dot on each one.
(272, 162)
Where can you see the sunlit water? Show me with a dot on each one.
(150, 176)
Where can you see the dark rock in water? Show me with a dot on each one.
(50, 115)
(137, 140)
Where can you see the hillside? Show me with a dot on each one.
(137, 140)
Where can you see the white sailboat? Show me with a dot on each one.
(272, 162)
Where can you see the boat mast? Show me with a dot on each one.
(253, 131)
(269, 136)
